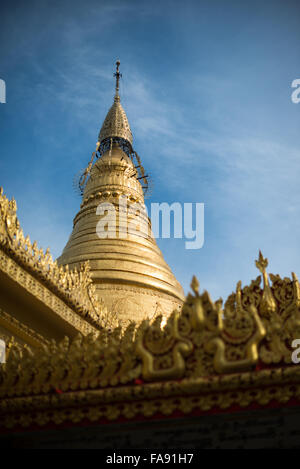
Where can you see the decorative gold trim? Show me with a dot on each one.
(116, 123)
(202, 340)
(221, 363)
(186, 396)
(268, 304)
(22, 331)
(74, 287)
(212, 349)
(42, 293)
(150, 344)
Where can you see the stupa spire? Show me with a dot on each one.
(116, 126)
(127, 268)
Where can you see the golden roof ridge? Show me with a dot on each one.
(74, 286)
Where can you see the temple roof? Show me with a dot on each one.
(40, 300)
(206, 358)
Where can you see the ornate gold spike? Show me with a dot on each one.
(9, 224)
(261, 263)
(238, 297)
(195, 285)
(296, 289)
(268, 304)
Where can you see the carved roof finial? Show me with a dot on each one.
(268, 304)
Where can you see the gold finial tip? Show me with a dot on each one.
(261, 263)
(117, 68)
(118, 75)
(195, 284)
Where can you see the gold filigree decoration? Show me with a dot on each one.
(87, 362)
(164, 398)
(267, 304)
(284, 326)
(74, 286)
(41, 292)
(278, 306)
(240, 333)
(225, 340)
(204, 341)
(162, 349)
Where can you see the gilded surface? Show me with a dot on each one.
(63, 290)
(116, 123)
(125, 261)
(203, 357)
(202, 341)
(132, 262)
(278, 307)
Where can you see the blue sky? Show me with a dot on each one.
(207, 90)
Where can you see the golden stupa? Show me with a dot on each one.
(215, 375)
(128, 269)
